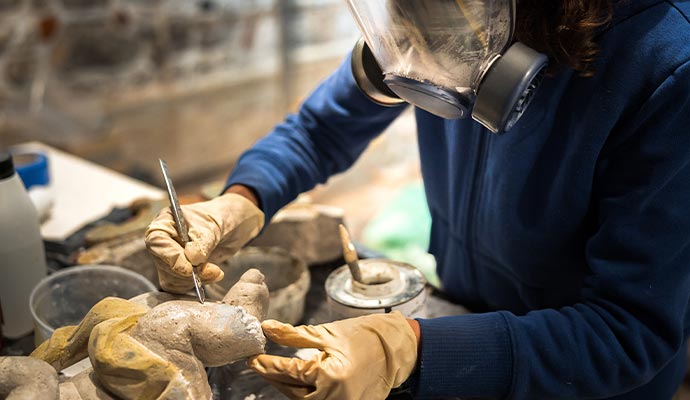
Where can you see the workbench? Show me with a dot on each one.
(84, 192)
(237, 382)
(81, 192)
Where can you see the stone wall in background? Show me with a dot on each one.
(123, 82)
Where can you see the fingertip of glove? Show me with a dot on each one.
(271, 325)
(194, 252)
(154, 235)
(255, 363)
(220, 275)
(261, 220)
(163, 221)
(181, 268)
(211, 273)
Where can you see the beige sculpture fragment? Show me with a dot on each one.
(25, 378)
(155, 346)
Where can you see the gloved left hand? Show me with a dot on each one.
(360, 358)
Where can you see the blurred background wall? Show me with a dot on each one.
(121, 82)
(196, 82)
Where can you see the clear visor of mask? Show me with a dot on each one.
(447, 42)
(451, 58)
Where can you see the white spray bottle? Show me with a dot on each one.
(22, 257)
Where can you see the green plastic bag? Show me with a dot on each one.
(401, 231)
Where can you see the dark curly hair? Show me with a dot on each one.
(564, 30)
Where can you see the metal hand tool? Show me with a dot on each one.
(182, 229)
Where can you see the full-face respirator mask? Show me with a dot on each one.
(452, 58)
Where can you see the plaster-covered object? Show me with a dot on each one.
(287, 278)
(25, 378)
(156, 346)
(309, 230)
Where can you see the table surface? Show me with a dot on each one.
(83, 191)
(237, 382)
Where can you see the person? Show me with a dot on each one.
(568, 235)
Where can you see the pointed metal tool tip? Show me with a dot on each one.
(198, 287)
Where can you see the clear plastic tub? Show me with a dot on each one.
(65, 297)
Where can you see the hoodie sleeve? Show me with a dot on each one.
(329, 132)
(631, 321)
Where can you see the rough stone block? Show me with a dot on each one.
(307, 230)
(25, 378)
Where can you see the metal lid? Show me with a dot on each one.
(6, 165)
(445, 103)
(407, 283)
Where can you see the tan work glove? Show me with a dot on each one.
(218, 228)
(360, 358)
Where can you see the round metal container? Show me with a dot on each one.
(388, 286)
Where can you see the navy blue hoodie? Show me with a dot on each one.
(569, 235)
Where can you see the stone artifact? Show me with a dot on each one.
(245, 293)
(156, 345)
(308, 230)
(287, 278)
(25, 378)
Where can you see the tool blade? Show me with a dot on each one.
(175, 209)
(181, 227)
(198, 287)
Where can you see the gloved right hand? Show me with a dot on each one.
(359, 358)
(218, 228)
